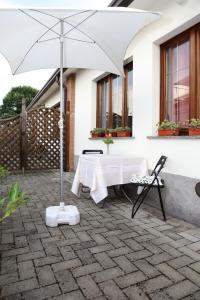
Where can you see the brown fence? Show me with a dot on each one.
(30, 141)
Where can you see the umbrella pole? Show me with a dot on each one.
(61, 110)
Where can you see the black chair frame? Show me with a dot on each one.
(147, 187)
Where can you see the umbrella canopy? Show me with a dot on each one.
(94, 39)
(34, 39)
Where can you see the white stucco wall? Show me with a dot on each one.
(183, 155)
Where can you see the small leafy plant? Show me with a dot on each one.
(111, 130)
(121, 129)
(170, 125)
(15, 199)
(108, 140)
(98, 130)
(3, 172)
(194, 123)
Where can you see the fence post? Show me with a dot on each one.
(23, 116)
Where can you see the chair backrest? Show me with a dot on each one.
(159, 166)
(91, 151)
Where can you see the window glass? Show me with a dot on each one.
(129, 98)
(117, 102)
(177, 82)
(104, 104)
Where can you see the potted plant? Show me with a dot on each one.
(97, 132)
(168, 128)
(112, 131)
(123, 131)
(194, 127)
(108, 140)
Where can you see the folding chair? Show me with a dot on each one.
(85, 189)
(148, 182)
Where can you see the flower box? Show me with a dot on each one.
(124, 133)
(194, 131)
(168, 132)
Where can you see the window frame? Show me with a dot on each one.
(110, 77)
(193, 35)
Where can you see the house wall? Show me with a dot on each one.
(183, 153)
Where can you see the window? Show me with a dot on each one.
(180, 77)
(114, 100)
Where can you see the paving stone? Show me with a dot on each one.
(99, 239)
(8, 265)
(156, 283)
(112, 291)
(191, 275)
(149, 270)
(104, 260)
(101, 248)
(15, 252)
(7, 238)
(75, 295)
(135, 293)
(65, 265)
(67, 253)
(107, 274)
(133, 245)
(170, 250)
(159, 258)
(170, 272)
(196, 266)
(21, 241)
(48, 260)
(181, 289)
(66, 281)
(133, 256)
(85, 256)
(160, 295)
(87, 269)
(8, 278)
(18, 287)
(130, 279)
(189, 237)
(35, 245)
(30, 255)
(42, 293)
(45, 275)
(119, 251)
(83, 236)
(125, 264)
(194, 255)
(89, 287)
(26, 270)
(180, 262)
(162, 240)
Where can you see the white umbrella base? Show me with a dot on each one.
(63, 214)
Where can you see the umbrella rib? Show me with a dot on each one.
(76, 27)
(78, 40)
(37, 41)
(49, 28)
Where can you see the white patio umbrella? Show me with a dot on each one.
(33, 39)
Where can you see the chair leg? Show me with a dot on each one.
(161, 203)
(142, 195)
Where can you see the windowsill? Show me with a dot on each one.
(114, 138)
(179, 137)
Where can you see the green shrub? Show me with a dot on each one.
(168, 125)
(15, 199)
(98, 130)
(194, 123)
(126, 129)
(3, 172)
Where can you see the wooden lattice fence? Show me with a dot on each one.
(30, 141)
(10, 143)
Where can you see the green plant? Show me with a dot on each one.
(15, 199)
(126, 129)
(3, 172)
(170, 125)
(111, 130)
(98, 130)
(108, 140)
(194, 123)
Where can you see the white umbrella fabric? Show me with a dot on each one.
(72, 38)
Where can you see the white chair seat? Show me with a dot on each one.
(145, 180)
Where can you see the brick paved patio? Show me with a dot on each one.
(106, 256)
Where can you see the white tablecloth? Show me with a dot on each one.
(98, 171)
